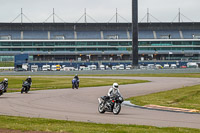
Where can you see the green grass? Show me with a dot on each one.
(50, 125)
(186, 97)
(6, 64)
(186, 75)
(60, 82)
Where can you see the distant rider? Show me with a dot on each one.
(5, 84)
(77, 79)
(29, 80)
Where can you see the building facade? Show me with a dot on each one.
(99, 41)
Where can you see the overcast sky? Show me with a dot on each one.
(100, 10)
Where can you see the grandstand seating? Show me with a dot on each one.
(191, 34)
(115, 34)
(168, 34)
(146, 34)
(109, 34)
(35, 35)
(88, 35)
(66, 34)
(12, 34)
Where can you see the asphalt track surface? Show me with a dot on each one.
(82, 104)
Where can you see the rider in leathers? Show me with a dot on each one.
(29, 80)
(114, 90)
(77, 79)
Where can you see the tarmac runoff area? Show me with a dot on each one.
(82, 104)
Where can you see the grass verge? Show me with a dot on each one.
(59, 82)
(186, 75)
(185, 97)
(50, 125)
(6, 64)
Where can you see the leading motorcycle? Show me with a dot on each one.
(110, 104)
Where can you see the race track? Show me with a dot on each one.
(81, 104)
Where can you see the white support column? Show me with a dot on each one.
(154, 35)
(75, 35)
(49, 35)
(181, 34)
(102, 36)
(128, 34)
(22, 35)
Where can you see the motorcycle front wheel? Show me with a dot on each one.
(22, 90)
(116, 108)
(101, 108)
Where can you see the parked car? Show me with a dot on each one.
(151, 66)
(102, 67)
(128, 67)
(158, 66)
(121, 67)
(143, 66)
(46, 68)
(183, 67)
(166, 66)
(173, 66)
(92, 67)
(114, 68)
(34, 68)
(192, 65)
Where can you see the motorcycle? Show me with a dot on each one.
(3, 88)
(25, 87)
(112, 104)
(75, 83)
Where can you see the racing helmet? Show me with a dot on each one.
(76, 75)
(115, 85)
(5, 79)
(29, 77)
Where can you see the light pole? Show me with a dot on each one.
(135, 33)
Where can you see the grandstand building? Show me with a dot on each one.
(69, 42)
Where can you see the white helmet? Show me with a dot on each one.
(5, 79)
(115, 85)
(29, 77)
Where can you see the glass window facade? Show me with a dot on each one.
(98, 45)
